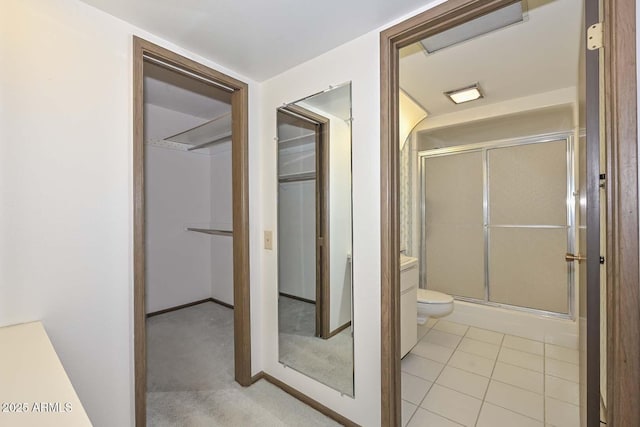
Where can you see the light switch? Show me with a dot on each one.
(268, 239)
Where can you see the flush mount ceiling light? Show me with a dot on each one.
(495, 20)
(466, 94)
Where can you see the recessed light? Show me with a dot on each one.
(466, 94)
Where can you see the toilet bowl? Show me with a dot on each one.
(433, 304)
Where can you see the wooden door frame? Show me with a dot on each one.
(240, 212)
(623, 264)
(323, 288)
(623, 254)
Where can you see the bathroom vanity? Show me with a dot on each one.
(408, 303)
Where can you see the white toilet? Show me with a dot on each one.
(433, 304)
(428, 304)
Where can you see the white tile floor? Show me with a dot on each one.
(460, 375)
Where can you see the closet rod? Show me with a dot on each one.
(295, 138)
(307, 176)
(219, 139)
(212, 231)
(187, 73)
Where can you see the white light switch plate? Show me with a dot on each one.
(268, 239)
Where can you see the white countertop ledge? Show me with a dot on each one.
(34, 388)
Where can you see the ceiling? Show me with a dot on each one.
(256, 38)
(535, 56)
(174, 91)
(175, 103)
(335, 101)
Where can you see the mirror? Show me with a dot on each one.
(315, 305)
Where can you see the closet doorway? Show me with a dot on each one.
(191, 216)
(303, 166)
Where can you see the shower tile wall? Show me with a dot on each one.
(460, 375)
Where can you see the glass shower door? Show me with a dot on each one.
(453, 254)
(528, 191)
(497, 221)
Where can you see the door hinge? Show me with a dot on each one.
(601, 260)
(595, 36)
(603, 180)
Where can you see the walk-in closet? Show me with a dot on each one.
(188, 240)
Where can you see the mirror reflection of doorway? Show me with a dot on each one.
(314, 240)
(303, 144)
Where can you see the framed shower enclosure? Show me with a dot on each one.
(497, 223)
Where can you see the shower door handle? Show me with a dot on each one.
(571, 257)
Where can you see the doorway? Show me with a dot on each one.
(303, 164)
(163, 60)
(454, 13)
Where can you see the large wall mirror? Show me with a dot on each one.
(315, 305)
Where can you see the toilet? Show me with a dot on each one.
(429, 303)
(433, 304)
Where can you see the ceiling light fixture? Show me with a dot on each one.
(466, 94)
(492, 21)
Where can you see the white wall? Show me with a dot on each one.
(297, 245)
(178, 195)
(356, 61)
(221, 219)
(67, 190)
(340, 222)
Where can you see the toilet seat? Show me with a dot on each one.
(427, 296)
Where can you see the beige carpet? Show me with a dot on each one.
(190, 377)
(329, 361)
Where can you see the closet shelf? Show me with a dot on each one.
(214, 141)
(296, 138)
(212, 231)
(297, 141)
(208, 133)
(296, 177)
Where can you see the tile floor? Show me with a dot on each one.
(460, 375)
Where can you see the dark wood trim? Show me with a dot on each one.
(308, 401)
(623, 275)
(240, 184)
(282, 294)
(139, 319)
(623, 254)
(323, 270)
(222, 303)
(432, 21)
(339, 329)
(257, 377)
(591, 372)
(178, 307)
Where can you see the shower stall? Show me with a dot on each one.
(497, 223)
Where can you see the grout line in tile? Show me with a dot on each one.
(521, 367)
(515, 412)
(484, 396)
(461, 392)
(416, 376)
(560, 360)
(440, 373)
(440, 415)
(412, 415)
(561, 378)
(518, 387)
(472, 354)
(562, 401)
